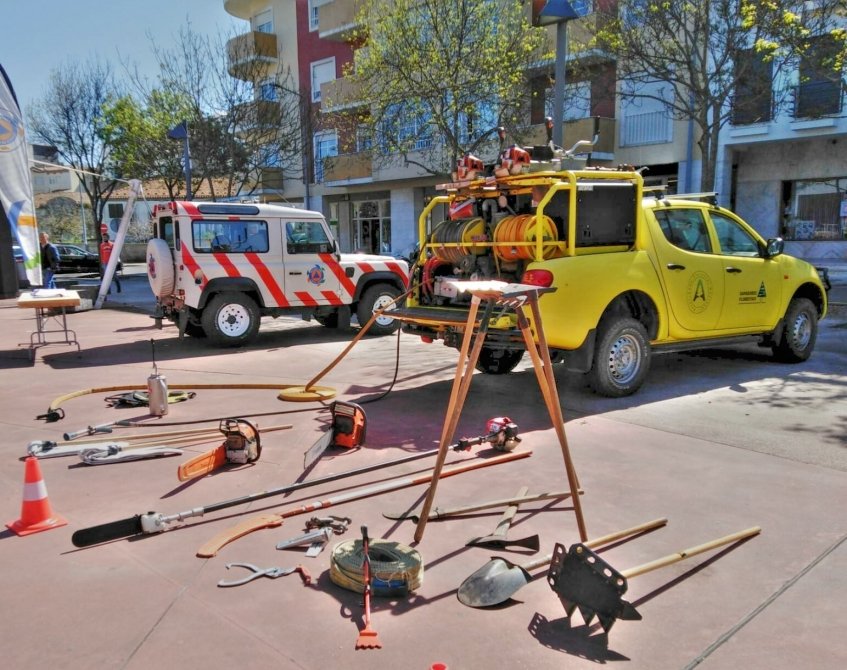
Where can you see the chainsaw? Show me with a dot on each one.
(241, 445)
(348, 430)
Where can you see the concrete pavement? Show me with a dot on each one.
(716, 442)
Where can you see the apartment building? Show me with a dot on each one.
(784, 156)
(771, 169)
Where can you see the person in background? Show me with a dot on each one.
(49, 261)
(106, 247)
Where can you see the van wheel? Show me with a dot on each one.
(231, 319)
(374, 298)
(621, 357)
(498, 361)
(800, 332)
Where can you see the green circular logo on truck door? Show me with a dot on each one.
(699, 292)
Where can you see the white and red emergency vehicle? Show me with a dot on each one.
(217, 268)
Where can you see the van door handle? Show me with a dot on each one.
(733, 270)
(675, 266)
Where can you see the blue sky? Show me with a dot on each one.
(37, 36)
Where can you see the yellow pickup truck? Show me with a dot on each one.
(635, 273)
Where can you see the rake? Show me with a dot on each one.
(368, 637)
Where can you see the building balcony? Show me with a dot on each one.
(340, 94)
(815, 99)
(348, 168)
(270, 179)
(641, 128)
(752, 109)
(337, 20)
(250, 55)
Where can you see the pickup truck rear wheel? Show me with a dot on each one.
(231, 319)
(498, 361)
(374, 298)
(800, 333)
(621, 357)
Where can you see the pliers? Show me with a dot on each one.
(273, 573)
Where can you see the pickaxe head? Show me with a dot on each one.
(583, 580)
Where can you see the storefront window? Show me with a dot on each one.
(815, 209)
(372, 226)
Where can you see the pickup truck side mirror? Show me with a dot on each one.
(774, 247)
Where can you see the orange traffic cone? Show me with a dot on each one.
(36, 513)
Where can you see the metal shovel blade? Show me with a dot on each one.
(493, 583)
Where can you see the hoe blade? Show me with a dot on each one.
(584, 581)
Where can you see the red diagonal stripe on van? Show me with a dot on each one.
(306, 299)
(398, 270)
(268, 279)
(226, 264)
(192, 265)
(332, 298)
(347, 284)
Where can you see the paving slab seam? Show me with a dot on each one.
(154, 627)
(764, 605)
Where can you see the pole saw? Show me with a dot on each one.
(501, 436)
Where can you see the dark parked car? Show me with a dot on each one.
(23, 282)
(76, 259)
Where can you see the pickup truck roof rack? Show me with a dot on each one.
(657, 192)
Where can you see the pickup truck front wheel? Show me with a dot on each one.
(231, 319)
(621, 357)
(374, 298)
(800, 332)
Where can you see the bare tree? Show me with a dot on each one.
(702, 53)
(70, 118)
(243, 114)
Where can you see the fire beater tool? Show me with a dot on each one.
(498, 539)
(368, 638)
(156, 522)
(583, 580)
(499, 579)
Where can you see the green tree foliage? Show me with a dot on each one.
(138, 132)
(439, 76)
(702, 53)
(60, 218)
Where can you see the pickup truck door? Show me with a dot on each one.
(693, 276)
(753, 284)
(310, 279)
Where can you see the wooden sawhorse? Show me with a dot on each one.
(515, 296)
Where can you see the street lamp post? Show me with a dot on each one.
(558, 12)
(180, 132)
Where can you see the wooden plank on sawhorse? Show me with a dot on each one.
(515, 296)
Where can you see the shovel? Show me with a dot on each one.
(496, 581)
(498, 539)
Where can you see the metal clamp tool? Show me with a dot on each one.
(257, 572)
